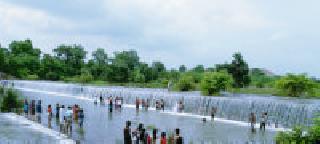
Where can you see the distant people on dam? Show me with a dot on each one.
(213, 112)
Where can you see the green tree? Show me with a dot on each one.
(51, 68)
(72, 57)
(4, 59)
(182, 68)
(98, 65)
(185, 83)
(138, 77)
(296, 85)
(239, 70)
(214, 82)
(23, 59)
(158, 69)
(199, 69)
(146, 71)
(100, 57)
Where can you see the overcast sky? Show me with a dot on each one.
(282, 36)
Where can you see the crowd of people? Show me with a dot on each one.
(140, 135)
(65, 115)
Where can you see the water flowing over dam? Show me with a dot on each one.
(283, 111)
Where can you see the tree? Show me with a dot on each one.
(199, 69)
(186, 83)
(158, 68)
(51, 68)
(182, 68)
(214, 82)
(100, 57)
(138, 77)
(240, 71)
(146, 71)
(72, 56)
(24, 60)
(296, 85)
(98, 65)
(126, 59)
(4, 53)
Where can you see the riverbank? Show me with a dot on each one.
(249, 90)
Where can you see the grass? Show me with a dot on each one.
(269, 91)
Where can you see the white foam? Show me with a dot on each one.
(239, 123)
(39, 128)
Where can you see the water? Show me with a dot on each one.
(287, 112)
(18, 130)
(229, 127)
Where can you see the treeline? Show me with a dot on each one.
(23, 61)
(70, 63)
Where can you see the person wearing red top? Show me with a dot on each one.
(149, 139)
(163, 139)
(49, 110)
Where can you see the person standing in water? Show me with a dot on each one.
(49, 111)
(68, 116)
(101, 99)
(178, 138)
(81, 118)
(127, 133)
(213, 112)
(57, 110)
(62, 117)
(26, 107)
(263, 121)
(49, 115)
(162, 104)
(137, 104)
(163, 139)
(39, 110)
(252, 120)
(110, 105)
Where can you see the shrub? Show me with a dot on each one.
(301, 135)
(186, 83)
(214, 82)
(296, 85)
(10, 101)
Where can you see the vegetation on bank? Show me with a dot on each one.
(69, 63)
(9, 100)
(300, 135)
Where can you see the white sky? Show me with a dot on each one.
(282, 36)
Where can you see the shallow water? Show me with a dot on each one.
(16, 129)
(100, 126)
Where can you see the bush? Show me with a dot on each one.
(186, 83)
(85, 77)
(301, 135)
(296, 85)
(214, 82)
(10, 101)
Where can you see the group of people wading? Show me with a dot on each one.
(141, 136)
(65, 115)
(263, 121)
